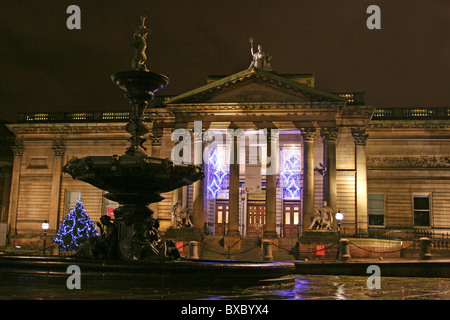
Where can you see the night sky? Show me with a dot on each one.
(47, 67)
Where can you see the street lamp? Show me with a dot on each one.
(45, 227)
(339, 216)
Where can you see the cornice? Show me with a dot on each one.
(255, 107)
(408, 124)
(34, 128)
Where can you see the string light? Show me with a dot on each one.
(291, 165)
(75, 229)
(218, 173)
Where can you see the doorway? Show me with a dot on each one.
(291, 218)
(256, 218)
(222, 213)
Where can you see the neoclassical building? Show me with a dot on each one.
(274, 148)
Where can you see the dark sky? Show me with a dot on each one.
(47, 67)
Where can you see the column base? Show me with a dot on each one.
(270, 235)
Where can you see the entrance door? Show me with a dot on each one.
(256, 219)
(222, 210)
(291, 216)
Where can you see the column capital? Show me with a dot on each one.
(329, 134)
(156, 138)
(271, 133)
(58, 148)
(308, 134)
(17, 149)
(360, 136)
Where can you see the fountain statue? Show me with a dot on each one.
(134, 180)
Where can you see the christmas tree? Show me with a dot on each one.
(75, 229)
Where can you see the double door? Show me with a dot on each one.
(291, 218)
(256, 218)
(222, 213)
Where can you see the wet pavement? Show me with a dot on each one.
(308, 287)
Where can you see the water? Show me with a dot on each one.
(308, 287)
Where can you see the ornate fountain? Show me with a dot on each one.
(129, 253)
(134, 180)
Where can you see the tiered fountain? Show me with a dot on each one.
(135, 180)
(131, 253)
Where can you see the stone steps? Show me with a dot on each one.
(250, 250)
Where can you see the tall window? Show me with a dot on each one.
(376, 209)
(218, 172)
(290, 170)
(421, 210)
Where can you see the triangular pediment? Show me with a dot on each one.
(254, 85)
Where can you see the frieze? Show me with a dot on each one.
(424, 162)
(36, 129)
(302, 107)
(409, 124)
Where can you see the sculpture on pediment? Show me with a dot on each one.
(323, 218)
(260, 59)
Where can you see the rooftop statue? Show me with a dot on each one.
(260, 59)
(140, 43)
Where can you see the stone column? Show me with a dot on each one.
(271, 188)
(308, 136)
(58, 153)
(6, 172)
(198, 204)
(360, 137)
(234, 197)
(330, 136)
(14, 197)
(177, 194)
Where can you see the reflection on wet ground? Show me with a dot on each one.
(309, 287)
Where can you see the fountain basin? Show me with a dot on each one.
(140, 85)
(33, 270)
(133, 178)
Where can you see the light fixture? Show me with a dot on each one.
(339, 217)
(45, 227)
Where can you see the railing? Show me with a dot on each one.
(362, 230)
(70, 117)
(420, 113)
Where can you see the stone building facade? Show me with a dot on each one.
(385, 169)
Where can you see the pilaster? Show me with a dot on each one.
(360, 137)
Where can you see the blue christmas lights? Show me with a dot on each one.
(75, 229)
(290, 173)
(218, 172)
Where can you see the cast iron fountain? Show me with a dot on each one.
(135, 180)
(130, 252)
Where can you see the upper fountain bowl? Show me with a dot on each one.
(140, 85)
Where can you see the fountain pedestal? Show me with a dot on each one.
(135, 180)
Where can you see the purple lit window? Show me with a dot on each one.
(290, 173)
(218, 172)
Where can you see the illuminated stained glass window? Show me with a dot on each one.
(218, 173)
(290, 173)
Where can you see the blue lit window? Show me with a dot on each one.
(218, 173)
(290, 172)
